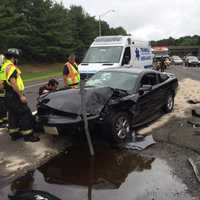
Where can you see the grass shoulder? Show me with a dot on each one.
(31, 72)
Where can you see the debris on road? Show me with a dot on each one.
(195, 113)
(136, 144)
(196, 167)
(197, 132)
(194, 123)
(193, 101)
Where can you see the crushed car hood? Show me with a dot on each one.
(69, 101)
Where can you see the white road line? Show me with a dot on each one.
(37, 84)
(30, 86)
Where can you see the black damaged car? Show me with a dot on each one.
(117, 100)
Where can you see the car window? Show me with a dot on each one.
(105, 54)
(127, 56)
(149, 79)
(192, 58)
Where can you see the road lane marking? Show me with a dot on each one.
(37, 84)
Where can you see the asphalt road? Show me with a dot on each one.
(183, 72)
(32, 90)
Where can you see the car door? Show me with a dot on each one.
(163, 89)
(147, 103)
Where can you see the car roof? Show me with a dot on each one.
(129, 69)
(191, 57)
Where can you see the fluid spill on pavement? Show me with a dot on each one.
(112, 175)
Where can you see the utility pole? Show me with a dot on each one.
(99, 25)
(105, 13)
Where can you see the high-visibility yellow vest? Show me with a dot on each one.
(73, 78)
(9, 68)
(2, 77)
(2, 72)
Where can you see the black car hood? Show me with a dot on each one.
(69, 101)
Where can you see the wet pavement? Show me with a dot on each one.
(113, 174)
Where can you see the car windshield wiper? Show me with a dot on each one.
(120, 91)
(89, 86)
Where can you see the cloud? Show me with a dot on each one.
(147, 19)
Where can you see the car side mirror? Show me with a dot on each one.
(145, 88)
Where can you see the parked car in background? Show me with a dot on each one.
(176, 60)
(117, 100)
(192, 61)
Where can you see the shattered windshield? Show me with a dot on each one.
(109, 54)
(117, 80)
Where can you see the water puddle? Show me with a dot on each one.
(112, 175)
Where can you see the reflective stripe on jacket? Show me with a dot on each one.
(73, 78)
(2, 70)
(2, 78)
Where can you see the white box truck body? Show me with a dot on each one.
(115, 51)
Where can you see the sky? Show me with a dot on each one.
(147, 19)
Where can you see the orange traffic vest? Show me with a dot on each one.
(73, 78)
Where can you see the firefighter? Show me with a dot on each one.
(20, 119)
(71, 75)
(162, 64)
(3, 110)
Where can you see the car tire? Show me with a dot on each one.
(120, 127)
(169, 105)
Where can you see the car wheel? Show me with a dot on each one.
(120, 127)
(169, 105)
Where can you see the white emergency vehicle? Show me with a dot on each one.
(115, 51)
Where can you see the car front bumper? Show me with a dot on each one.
(193, 63)
(56, 120)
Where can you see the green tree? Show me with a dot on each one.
(47, 31)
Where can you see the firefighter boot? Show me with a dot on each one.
(15, 136)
